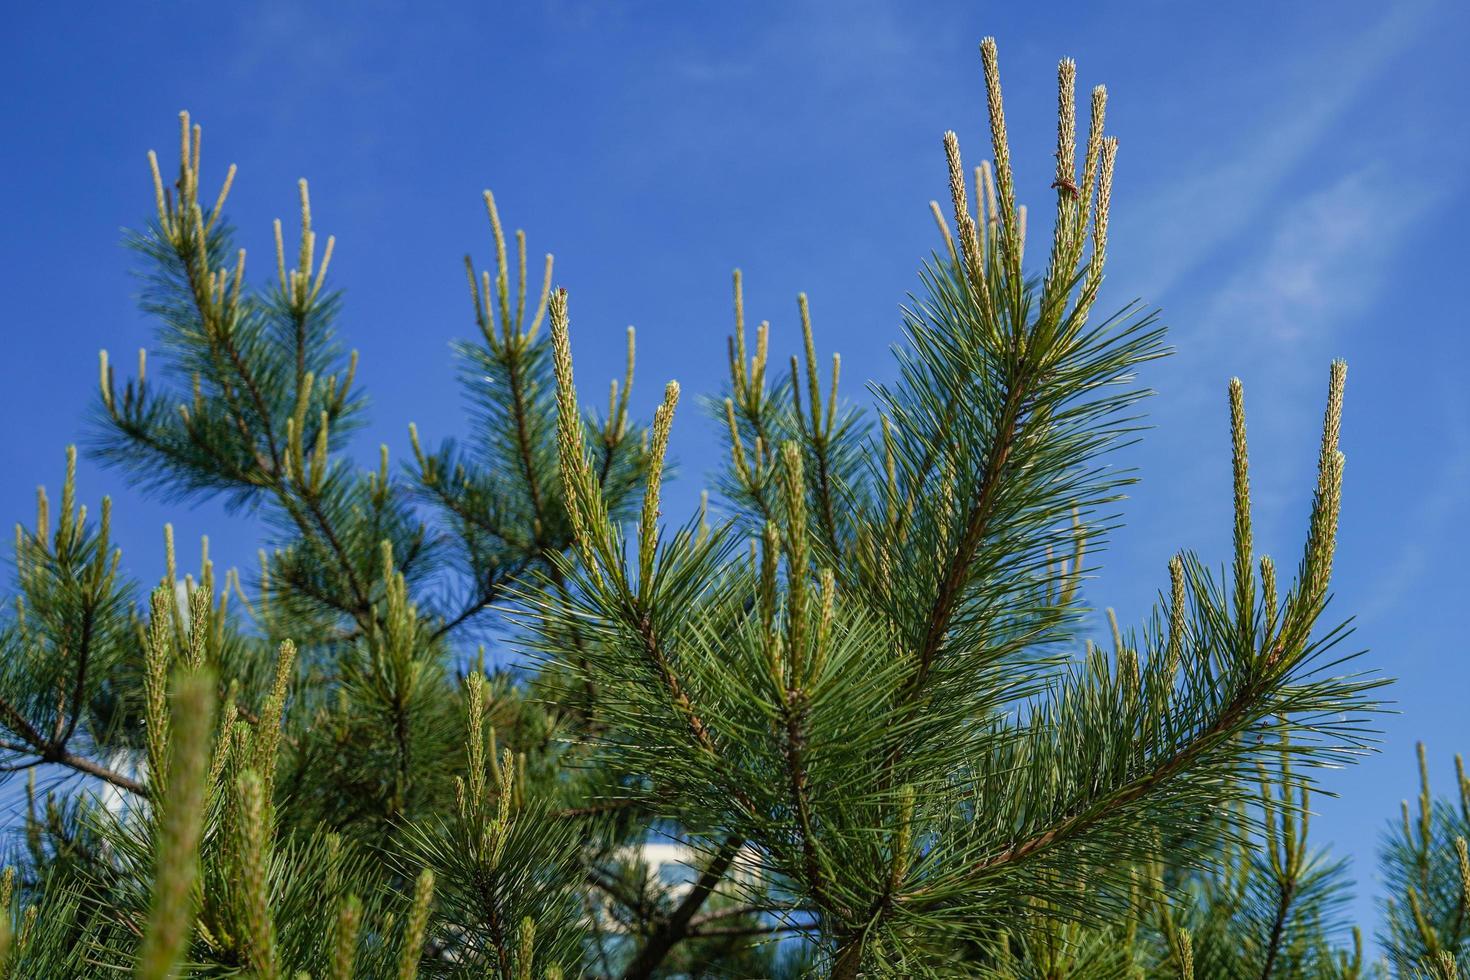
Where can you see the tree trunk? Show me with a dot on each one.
(849, 959)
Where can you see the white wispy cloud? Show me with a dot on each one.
(1310, 279)
(1323, 257)
(1183, 223)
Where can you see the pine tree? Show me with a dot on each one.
(856, 692)
(1427, 867)
(876, 704)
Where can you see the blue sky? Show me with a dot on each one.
(1290, 189)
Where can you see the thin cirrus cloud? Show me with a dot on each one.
(1324, 258)
(1225, 200)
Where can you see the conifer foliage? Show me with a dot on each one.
(854, 697)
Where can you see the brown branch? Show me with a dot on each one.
(538, 507)
(84, 651)
(977, 524)
(670, 680)
(237, 361)
(735, 912)
(20, 725)
(614, 889)
(487, 597)
(594, 809)
(674, 929)
(1278, 927)
(90, 768)
(218, 339)
(45, 751)
(794, 752)
(439, 492)
(1077, 822)
(523, 437)
(951, 587)
(307, 588)
(849, 960)
(497, 928)
(51, 751)
(314, 506)
(610, 445)
(300, 323)
(677, 926)
(760, 930)
(824, 496)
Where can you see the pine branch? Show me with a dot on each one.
(678, 925)
(88, 767)
(976, 524)
(1278, 928)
